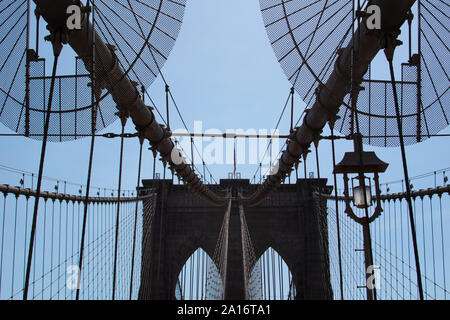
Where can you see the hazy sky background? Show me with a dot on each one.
(222, 71)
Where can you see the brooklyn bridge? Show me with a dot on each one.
(108, 193)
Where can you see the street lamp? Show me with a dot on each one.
(361, 163)
(359, 193)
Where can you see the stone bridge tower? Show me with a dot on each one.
(292, 221)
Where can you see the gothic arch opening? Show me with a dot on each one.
(199, 279)
(271, 278)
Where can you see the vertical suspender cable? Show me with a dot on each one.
(154, 166)
(191, 279)
(198, 275)
(271, 152)
(56, 51)
(141, 141)
(205, 277)
(280, 275)
(317, 159)
(260, 173)
(396, 245)
(432, 244)
(419, 73)
(184, 281)
(304, 164)
(204, 172)
(5, 195)
(44, 234)
(273, 274)
(38, 18)
(341, 289)
(91, 156)
(14, 246)
(292, 109)
(27, 76)
(192, 153)
(444, 269)
(167, 106)
(263, 277)
(267, 267)
(51, 246)
(123, 119)
(201, 275)
(402, 242)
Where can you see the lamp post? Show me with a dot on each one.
(360, 163)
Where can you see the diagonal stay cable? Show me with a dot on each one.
(56, 51)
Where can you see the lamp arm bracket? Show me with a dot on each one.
(378, 209)
(352, 215)
(376, 214)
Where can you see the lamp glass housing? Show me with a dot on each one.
(358, 197)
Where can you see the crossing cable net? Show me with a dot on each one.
(423, 89)
(306, 37)
(269, 148)
(392, 249)
(324, 99)
(268, 151)
(167, 119)
(130, 103)
(154, 56)
(148, 217)
(276, 279)
(286, 20)
(217, 270)
(56, 254)
(317, 29)
(129, 27)
(252, 269)
(321, 212)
